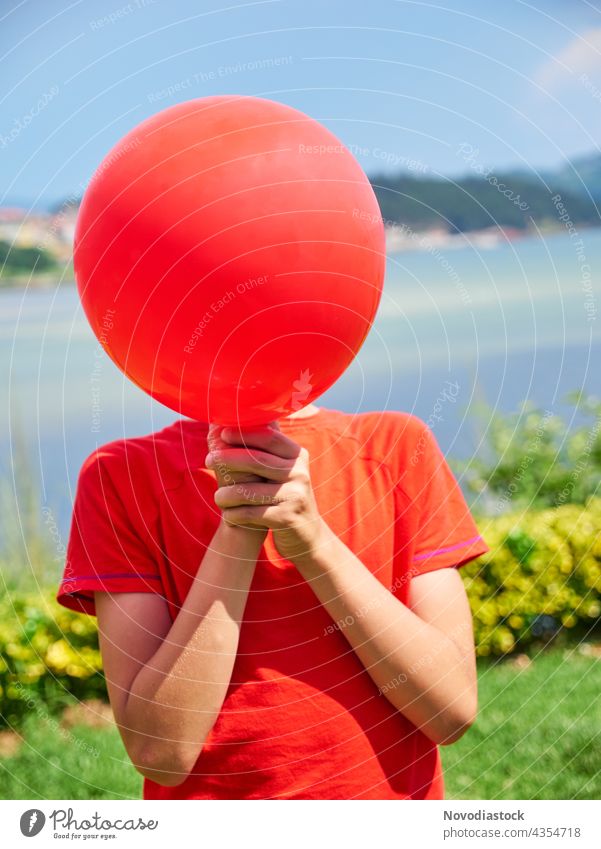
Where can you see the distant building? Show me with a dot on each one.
(48, 231)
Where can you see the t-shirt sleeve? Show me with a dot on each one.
(445, 533)
(104, 550)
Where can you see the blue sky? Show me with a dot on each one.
(402, 83)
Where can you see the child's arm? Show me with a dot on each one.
(167, 682)
(420, 656)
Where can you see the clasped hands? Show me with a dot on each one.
(264, 483)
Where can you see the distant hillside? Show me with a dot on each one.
(516, 199)
(581, 175)
(509, 200)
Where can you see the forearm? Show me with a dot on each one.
(417, 667)
(177, 696)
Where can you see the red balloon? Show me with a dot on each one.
(229, 255)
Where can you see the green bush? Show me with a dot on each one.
(533, 458)
(48, 655)
(541, 577)
(19, 259)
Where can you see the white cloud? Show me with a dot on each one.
(581, 55)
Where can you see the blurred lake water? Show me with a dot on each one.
(501, 324)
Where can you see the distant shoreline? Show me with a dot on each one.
(47, 280)
(400, 238)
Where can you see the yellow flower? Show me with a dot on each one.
(59, 655)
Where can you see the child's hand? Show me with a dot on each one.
(225, 476)
(277, 493)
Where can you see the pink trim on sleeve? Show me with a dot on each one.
(448, 548)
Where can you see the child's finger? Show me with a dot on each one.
(258, 494)
(269, 466)
(227, 476)
(266, 438)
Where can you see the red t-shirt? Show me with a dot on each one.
(301, 719)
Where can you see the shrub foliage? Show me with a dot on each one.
(47, 655)
(542, 577)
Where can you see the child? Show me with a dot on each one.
(281, 618)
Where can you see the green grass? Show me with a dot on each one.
(83, 763)
(537, 737)
(538, 734)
